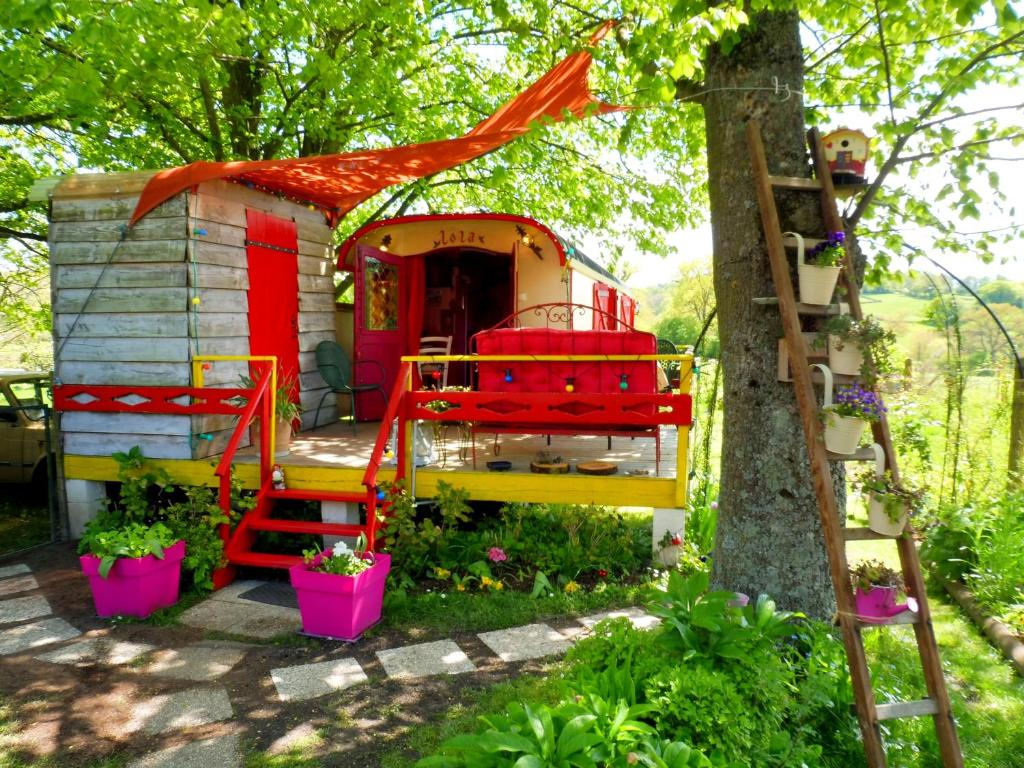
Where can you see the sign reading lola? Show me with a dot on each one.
(458, 237)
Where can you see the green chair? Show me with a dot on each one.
(336, 369)
(666, 347)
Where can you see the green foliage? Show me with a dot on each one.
(875, 340)
(131, 540)
(148, 495)
(340, 560)
(874, 573)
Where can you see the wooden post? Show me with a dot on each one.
(1014, 468)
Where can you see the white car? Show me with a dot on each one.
(22, 426)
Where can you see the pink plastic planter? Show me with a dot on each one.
(340, 607)
(135, 586)
(879, 603)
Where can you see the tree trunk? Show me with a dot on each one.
(769, 535)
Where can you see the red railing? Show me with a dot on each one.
(257, 398)
(395, 410)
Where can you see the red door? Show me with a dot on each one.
(272, 248)
(379, 325)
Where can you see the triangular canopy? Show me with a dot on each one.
(338, 183)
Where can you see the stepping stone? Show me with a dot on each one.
(531, 641)
(443, 657)
(200, 662)
(97, 650)
(22, 608)
(637, 616)
(185, 709)
(307, 681)
(26, 636)
(18, 584)
(14, 570)
(221, 752)
(243, 617)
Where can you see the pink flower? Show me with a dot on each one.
(496, 555)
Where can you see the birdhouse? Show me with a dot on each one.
(846, 151)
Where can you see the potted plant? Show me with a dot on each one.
(854, 344)
(285, 412)
(818, 273)
(889, 503)
(846, 417)
(341, 591)
(876, 587)
(133, 569)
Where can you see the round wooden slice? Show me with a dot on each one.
(549, 467)
(597, 468)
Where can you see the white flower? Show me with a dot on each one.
(341, 548)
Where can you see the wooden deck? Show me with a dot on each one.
(335, 446)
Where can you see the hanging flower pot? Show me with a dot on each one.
(817, 280)
(844, 357)
(890, 504)
(876, 589)
(843, 433)
(887, 515)
(845, 418)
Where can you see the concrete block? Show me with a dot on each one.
(531, 641)
(23, 609)
(222, 752)
(443, 657)
(307, 681)
(339, 512)
(14, 570)
(185, 709)
(18, 584)
(26, 636)
(203, 661)
(85, 500)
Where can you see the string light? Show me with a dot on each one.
(508, 375)
(570, 384)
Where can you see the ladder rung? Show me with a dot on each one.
(808, 309)
(795, 182)
(864, 534)
(864, 453)
(901, 618)
(917, 708)
(809, 242)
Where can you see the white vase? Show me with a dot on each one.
(880, 522)
(817, 283)
(844, 357)
(842, 433)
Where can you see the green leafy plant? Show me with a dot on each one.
(856, 402)
(895, 498)
(131, 540)
(285, 409)
(829, 252)
(875, 341)
(874, 573)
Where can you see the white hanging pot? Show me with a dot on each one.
(879, 507)
(816, 284)
(842, 433)
(844, 356)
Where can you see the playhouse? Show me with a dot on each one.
(186, 301)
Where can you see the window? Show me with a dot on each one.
(381, 295)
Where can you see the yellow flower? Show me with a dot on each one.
(442, 573)
(571, 587)
(498, 585)
(460, 587)
(485, 581)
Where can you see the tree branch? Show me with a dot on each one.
(885, 61)
(216, 141)
(18, 235)
(958, 148)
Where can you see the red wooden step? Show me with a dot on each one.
(262, 559)
(307, 526)
(314, 495)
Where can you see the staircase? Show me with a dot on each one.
(870, 714)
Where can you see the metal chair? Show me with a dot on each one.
(666, 347)
(336, 370)
(435, 345)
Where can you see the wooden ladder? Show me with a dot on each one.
(869, 713)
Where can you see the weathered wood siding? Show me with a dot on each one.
(119, 306)
(124, 311)
(221, 277)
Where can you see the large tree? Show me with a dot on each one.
(148, 83)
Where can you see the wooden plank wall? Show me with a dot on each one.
(131, 325)
(139, 325)
(220, 275)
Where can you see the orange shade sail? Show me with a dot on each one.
(338, 183)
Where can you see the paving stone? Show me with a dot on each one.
(221, 752)
(184, 709)
(97, 650)
(243, 617)
(307, 681)
(23, 608)
(208, 660)
(639, 618)
(443, 657)
(26, 636)
(14, 570)
(18, 584)
(527, 642)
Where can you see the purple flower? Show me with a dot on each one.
(496, 555)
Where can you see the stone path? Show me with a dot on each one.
(197, 699)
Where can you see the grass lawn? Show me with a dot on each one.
(894, 307)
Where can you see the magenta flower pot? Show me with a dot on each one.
(878, 603)
(340, 607)
(135, 586)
